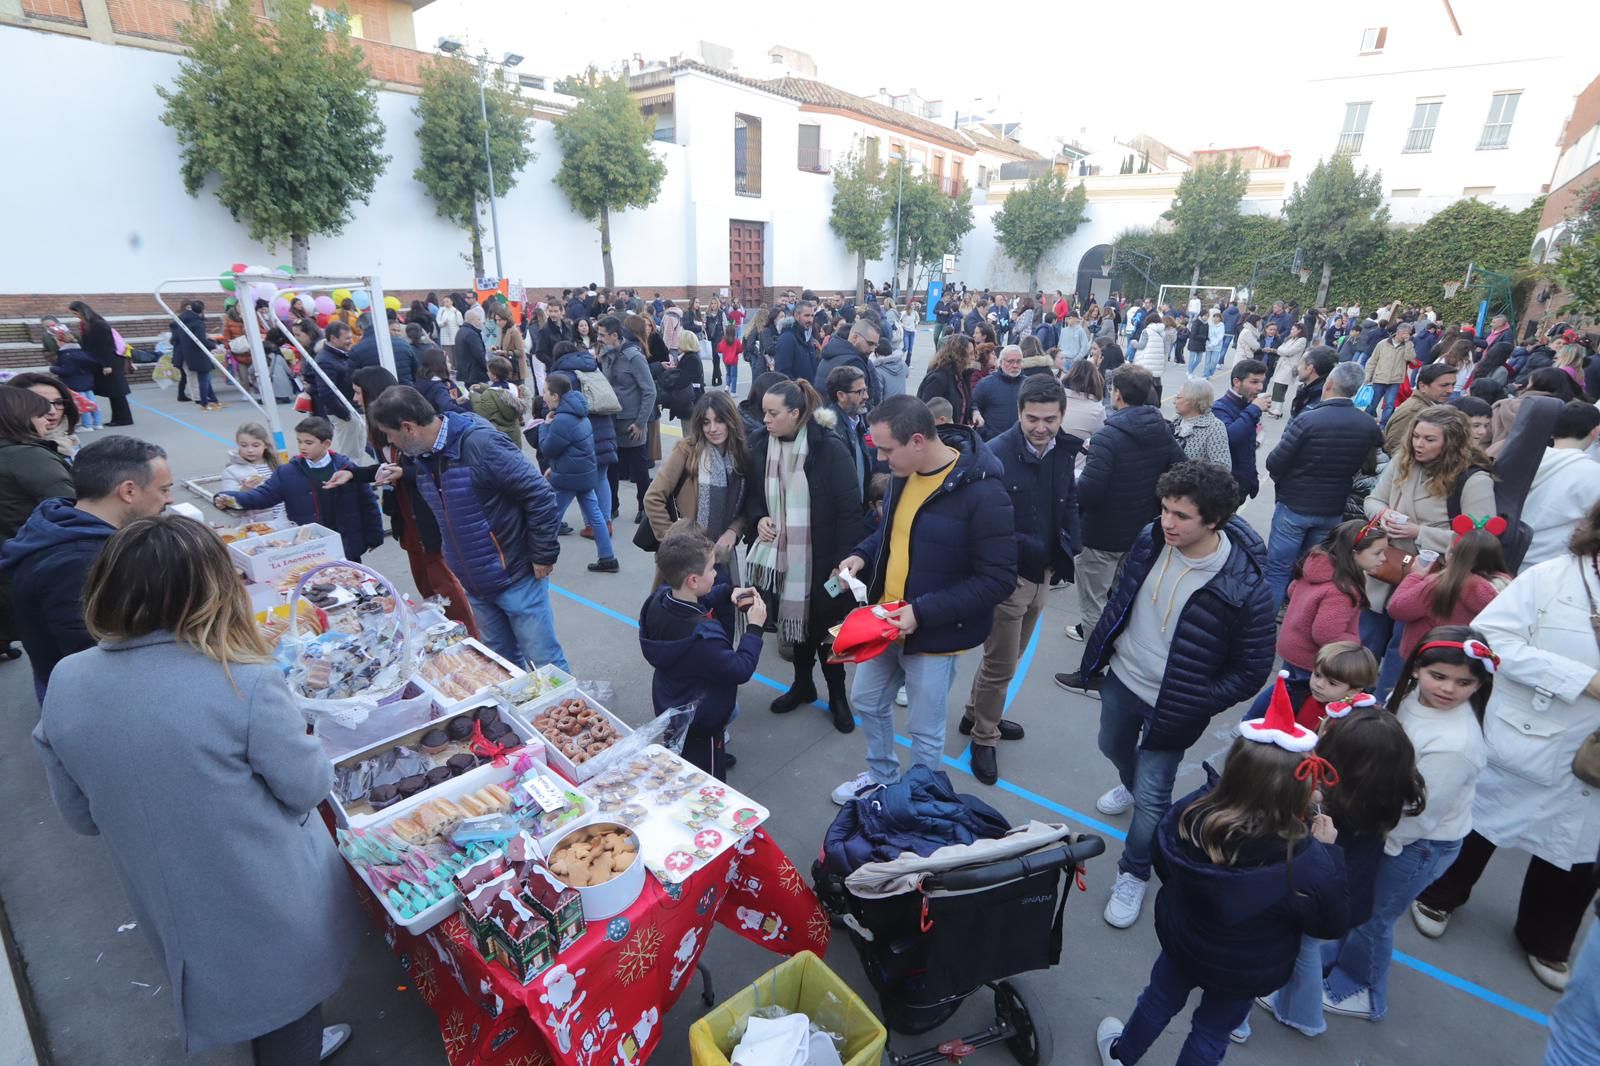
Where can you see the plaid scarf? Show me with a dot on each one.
(783, 564)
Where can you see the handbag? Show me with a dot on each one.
(599, 394)
(1364, 397)
(1586, 762)
(644, 538)
(1396, 563)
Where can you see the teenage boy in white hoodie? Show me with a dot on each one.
(1566, 485)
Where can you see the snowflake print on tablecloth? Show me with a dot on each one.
(454, 928)
(789, 877)
(678, 862)
(707, 839)
(531, 1058)
(425, 977)
(638, 955)
(454, 1033)
(617, 929)
(818, 929)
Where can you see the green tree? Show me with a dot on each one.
(259, 104)
(1036, 218)
(450, 136)
(1205, 213)
(607, 164)
(932, 222)
(1577, 268)
(1336, 215)
(860, 210)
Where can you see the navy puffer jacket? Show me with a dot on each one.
(604, 426)
(963, 560)
(566, 443)
(1222, 645)
(497, 515)
(1117, 490)
(350, 510)
(1241, 418)
(1044, 502)
(1320, 454)
(1235, 930)
(920, 813)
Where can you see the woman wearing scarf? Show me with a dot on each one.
(803, 499)
(703, 480)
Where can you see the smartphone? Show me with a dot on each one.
(832, 586)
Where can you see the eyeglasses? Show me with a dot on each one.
(58, 405)
(862, 391)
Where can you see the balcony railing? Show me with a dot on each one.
(1495, 135)
(815, 160)
(1420, 139)
(1350, 143)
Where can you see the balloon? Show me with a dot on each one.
(324, 318)
(363, 301)
(256, 270)
(226, 281)
(392, 302)
(263, 290)
(340, 296)
(238, 268)
(284, 268)
(229, 302)
(281, 306)
(325, 305)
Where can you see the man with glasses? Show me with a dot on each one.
(851, 350)
(847, 404)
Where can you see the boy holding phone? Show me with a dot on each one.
(695, 658)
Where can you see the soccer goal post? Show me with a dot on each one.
(1182, 297)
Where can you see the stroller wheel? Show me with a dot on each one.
(1018, 1006)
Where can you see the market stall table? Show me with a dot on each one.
(603, 1000)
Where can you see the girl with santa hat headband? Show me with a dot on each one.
(1247, 869)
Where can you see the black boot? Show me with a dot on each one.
(804, 689)
(838, 697)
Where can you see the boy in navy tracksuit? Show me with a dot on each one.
(302, 486)
(695, 659)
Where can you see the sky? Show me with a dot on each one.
(1193, 84)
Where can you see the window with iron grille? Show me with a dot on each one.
(1355, 126)
(811, 156)
(746, 155)
(1424, 120)
(1497, 127)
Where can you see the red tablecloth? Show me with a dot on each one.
(602, 1002)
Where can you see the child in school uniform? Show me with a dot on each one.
(696, 659)
(301, 485)
(1246, 869)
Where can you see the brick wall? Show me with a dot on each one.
(55, 10)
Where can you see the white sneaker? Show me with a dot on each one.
(1109, 1030)
(1127, 900)
(1075, 631)
(1553, 975)
(852, 788)
(1355, 1005)
(1241, 1034)
(1430, 923)
(901, 699)
(1118, 801)
(334, 1037)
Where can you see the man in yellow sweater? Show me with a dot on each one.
(946, 554)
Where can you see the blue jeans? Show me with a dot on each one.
(1298, 1004)
(602, 492)
(1214, 357)
(206, 393)
(1166, 995)
(1381, 635)
(1368, 950)
(1385, 396)
(90, 419)
(589, 505)
(910, 342)
(1575, 1022)
(1194, 359)
(927, 679)
(732, 371)
(1145, 773)
(518, 623)
(1293, 534)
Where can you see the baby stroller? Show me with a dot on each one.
(931, 930)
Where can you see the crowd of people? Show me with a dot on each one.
(1422, 587)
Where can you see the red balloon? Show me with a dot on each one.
(323, 320)
(239, 268)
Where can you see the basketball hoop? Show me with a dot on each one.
(1451, 288)
(1305, 276)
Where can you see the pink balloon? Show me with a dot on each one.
(282, 307)
(325, 305)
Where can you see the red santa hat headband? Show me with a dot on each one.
(1342, 708)
(1279, 726)
(1472, 649)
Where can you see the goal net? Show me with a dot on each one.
(1182, 298)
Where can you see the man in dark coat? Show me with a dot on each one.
(1312, 469)
(1314, 370)
(947, 505)
(1188, 632)
(472, 359)
(1036, 458)
(1117, 492)
(845, 417)
(365, 353)
(118, 479)
(1240, 410)
(194, 356)
(497, 519)
(796, 355)
(851, 349)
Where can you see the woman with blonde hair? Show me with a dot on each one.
(204, 786)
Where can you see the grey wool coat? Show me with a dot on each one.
(205, 794)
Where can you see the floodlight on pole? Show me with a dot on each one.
(898, 197)
(511, 59)
(449, 45)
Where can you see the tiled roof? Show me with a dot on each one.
(821, 94)
(660, 76)
(1004, 145)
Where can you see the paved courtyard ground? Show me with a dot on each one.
(97, 989)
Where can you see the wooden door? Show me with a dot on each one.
(746, 261)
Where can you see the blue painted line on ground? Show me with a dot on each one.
(1078, 818)
(174, 418)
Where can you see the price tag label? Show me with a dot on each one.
(544, 793)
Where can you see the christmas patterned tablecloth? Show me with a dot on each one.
(602, 1002)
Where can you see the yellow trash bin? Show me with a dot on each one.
(803, 984)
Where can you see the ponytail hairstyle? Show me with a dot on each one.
(1377, 766)
(1478, 552)
(1424, 655)
(797, 396)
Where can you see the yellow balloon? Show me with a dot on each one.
(392, 302)
(340, 296)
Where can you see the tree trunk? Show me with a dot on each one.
(605, 244)
(476, 233)
(1194, 278)
(1033, 283)
(861, 277)
(1322, 286)
(299, 252)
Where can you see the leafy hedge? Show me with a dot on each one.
(1410, 265)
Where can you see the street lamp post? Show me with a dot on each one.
(898, 197)
(451, 46)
